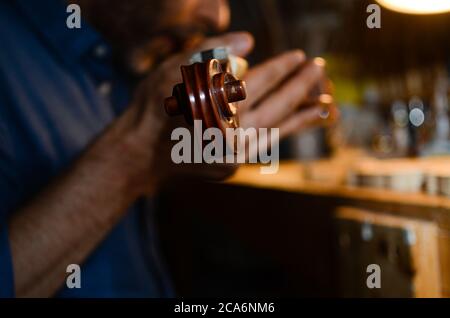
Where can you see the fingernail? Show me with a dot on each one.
(319, 61)
(326, 99)
(297, 56)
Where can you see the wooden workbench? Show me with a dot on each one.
(431, 209)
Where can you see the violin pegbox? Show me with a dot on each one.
(208, 93)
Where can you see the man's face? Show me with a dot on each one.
(160, 26)
(200, 15)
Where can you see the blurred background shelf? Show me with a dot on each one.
(330, 180)
(285, 237)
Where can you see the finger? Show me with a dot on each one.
(285, 100)
(308, 118)
(265, 77)
(300, 121)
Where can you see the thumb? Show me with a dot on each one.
(239, 43)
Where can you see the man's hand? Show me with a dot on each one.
(146, 145)
(277, 91)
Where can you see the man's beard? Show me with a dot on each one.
(144, 26)
(153, 48)
(180, 38)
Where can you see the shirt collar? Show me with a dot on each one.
(49, 18)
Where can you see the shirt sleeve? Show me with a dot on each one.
(6, 269)
(6, 266)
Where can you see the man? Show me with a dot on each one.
(82, 144)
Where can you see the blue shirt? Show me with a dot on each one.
(58, 91)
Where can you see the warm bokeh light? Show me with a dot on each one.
(417, 6)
